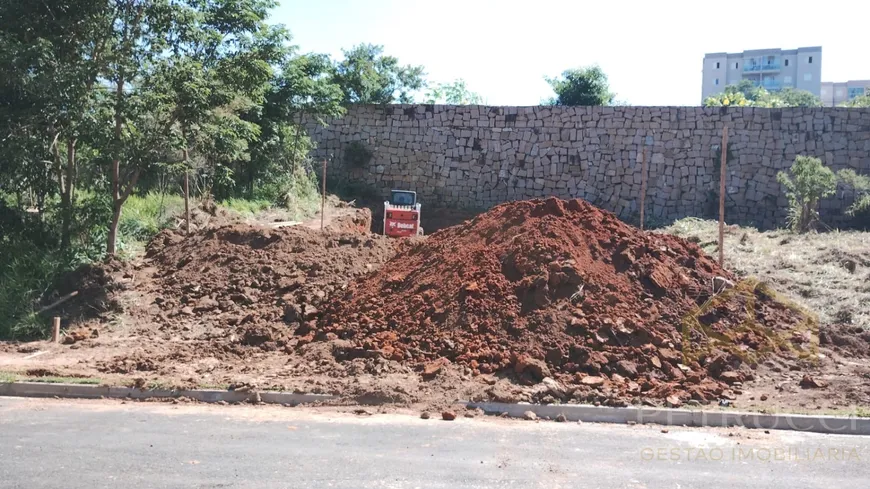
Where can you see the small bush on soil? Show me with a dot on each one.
(146, 215)
(297, 191)
(808, 182)
(860, 184)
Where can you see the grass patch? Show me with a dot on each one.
(246, 207)
(862, 412)
(64, 380)
(827, 272)
(7, 377)
(144, 216)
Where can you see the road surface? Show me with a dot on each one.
(97, 444)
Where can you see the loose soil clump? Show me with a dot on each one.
(561, 290)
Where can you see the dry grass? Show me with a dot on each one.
(828, 273)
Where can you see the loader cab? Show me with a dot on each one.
(403, 198)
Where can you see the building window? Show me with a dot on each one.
(716, 82)
(811, 60)
(736, 65)
(808, 76)
(856, 92)
(717, 65)
(786, 79)
(786, 62)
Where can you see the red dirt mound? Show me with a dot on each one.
(562, 289)
(252, 286)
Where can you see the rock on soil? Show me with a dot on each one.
(561, 289)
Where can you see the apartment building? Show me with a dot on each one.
(835, 93)
(773, 69)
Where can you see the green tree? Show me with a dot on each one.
(181, 71)
(806, 184)
(455, 93)
(747, 94)
(303, 87)
(51, 54)
(367, 76)
(792, 97)
(733, 98)
(583, 86)
(860, 101)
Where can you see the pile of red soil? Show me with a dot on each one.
(242, 285)
(562, 289)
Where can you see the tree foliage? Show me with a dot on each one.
(583, 86)
(367, 76)
(748, 94)
(123, 91)
(104, 100)
(455, 93)
(806, 184)
(860, 101)
(860, 184)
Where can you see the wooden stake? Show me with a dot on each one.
(55, 330)
(186, 203)
(642, 185)
(722, 197)
(323, 195)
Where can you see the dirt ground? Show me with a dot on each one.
(213, 310)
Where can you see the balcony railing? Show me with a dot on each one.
(761, 67)
(772, 85)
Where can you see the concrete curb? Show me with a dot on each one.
(39, 389)
(836, 425)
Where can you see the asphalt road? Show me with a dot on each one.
(96, 444)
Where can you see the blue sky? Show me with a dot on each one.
(651, 50)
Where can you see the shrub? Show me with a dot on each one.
(860, 184)
(807, 183)
(301, 195)
(26, 274)
(146, 215)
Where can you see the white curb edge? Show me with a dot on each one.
(572, 412)
(682, 417)
(41, 389)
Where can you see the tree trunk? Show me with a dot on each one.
(111, 242)
(113, 229)
(186, 196)
(67, 196)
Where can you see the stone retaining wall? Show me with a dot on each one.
(479, 156)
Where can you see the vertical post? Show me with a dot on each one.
(55, 330)
(724, 152)
(323, 195)
(186, 203)
(642, 185)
